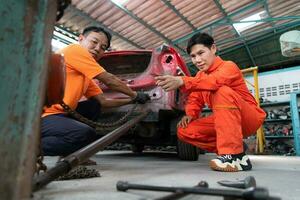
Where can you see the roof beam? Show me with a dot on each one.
(281, 30)
(268, 13)
(260, 20)
(236, 31)
(66, 31)
(75, 10)
(297, 23)
(265, 37)
(250, 6)
(172, 7)
(151, 28)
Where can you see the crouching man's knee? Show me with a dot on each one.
(224, 95)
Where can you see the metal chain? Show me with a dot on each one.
(98, 125)
(40, 166)
(78, 173)
(83, 172)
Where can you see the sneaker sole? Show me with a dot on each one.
(228, 168)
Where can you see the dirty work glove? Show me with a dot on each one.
(141, 98)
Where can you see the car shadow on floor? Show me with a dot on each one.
(157, 155)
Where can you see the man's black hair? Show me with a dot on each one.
(200, 38)
(97, 29)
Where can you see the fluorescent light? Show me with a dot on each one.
(119, 2)
(244, 26)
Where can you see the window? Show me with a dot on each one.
(295, 85)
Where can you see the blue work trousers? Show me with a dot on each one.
(62, 135)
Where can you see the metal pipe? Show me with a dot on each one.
(260, 144)
(84, 153)
(249, 193)
(179, 194)
(248, 70)
(261, 141)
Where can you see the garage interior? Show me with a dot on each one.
(252, 33)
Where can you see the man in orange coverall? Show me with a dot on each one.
(220, 85)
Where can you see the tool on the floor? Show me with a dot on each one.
(251, 193)
(248, 182)
(74, 159)
(179, 194)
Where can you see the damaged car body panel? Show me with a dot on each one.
(138, 70)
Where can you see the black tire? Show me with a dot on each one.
(187, 151)
(137, 148)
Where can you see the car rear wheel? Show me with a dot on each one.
(137, 148)
(187, 151)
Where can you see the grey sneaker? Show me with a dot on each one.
(231, 163)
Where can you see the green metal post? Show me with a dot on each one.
(294, 105)
(26, 31)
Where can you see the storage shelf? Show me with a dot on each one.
(279, 137)
(278, 120)
(284, 103)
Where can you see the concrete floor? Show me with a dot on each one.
(280, 175)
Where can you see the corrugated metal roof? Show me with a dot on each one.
(146, 24)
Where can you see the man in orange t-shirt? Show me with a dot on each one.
(220, 85)
(61, 134)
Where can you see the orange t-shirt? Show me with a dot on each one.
(81, 68)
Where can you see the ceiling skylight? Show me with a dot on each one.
(246, 25)
(119, 2)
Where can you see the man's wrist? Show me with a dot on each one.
(181, 81)
(134, 95)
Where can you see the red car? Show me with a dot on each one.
(138, 69)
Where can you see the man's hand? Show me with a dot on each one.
(185, 120)
(168, 82)
(141, 98)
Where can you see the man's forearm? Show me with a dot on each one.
(118, 85)
(114, 83)
(109, 103)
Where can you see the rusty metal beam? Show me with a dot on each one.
(84, 153)
(26, 31)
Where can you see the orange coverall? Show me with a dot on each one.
(235, 113)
